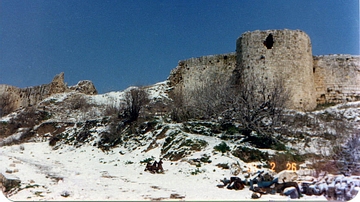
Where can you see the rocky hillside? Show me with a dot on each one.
(73, 124)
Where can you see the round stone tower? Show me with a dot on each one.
(280, 54)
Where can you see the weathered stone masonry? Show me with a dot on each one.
(193, 72)
(288, 58)
(337, 78)
(273, 54)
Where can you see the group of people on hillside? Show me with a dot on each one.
(155, 167)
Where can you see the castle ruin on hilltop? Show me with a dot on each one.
(272, 54)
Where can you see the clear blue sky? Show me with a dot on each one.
(118, 43)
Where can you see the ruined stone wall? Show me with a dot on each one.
(197, 72)
(285, 55)
(337, 78)
(24, 97)
(280, 54)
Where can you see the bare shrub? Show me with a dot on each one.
(25, 119)
(115, 126)
(79, 102)
(341, 156)
(157, 108)
(347, 156)
(28, 117)
(112, 110)
(123, 119)
(206, 100)
(322, 164)
(179, 111)
(209, 98)
(222, 147)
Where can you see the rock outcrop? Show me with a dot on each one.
(57, 85)
(85, 86)
(12, 98)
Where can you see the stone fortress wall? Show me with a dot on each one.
(194, 72)
(280, 54)
(337, 78)
(285, 54)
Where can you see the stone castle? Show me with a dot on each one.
(271, 54)
(266, 54)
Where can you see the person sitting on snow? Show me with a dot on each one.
(152, 168)
(156, 167)
(234, 183)
(159, 167)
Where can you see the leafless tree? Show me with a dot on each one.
(124, 116)
(179, 110)
(209, 97)
(135, 100)
(252, 101)
(347, 156)
(258, 105)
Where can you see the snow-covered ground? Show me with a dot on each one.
(87, 173)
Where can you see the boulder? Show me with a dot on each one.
(287, 176)
(65, 193)
(255, 195)
(9, 181)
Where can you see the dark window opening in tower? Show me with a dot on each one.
(269, 41)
